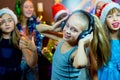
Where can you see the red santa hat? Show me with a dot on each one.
(104, 11)
(57, 10)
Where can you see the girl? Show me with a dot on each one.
(13, 46)
(72, 50)
(110, 18)
(98, 5)
(26, 25)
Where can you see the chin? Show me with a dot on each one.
(28, 16)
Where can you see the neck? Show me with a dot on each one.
(24, 21)
(114, 35)
(6, 36)
(72, 43)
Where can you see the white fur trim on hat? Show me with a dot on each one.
(106, 9)
(97, 1)
(10, 12)
(59, 13)
(106, 1)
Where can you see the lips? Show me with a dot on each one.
(116, 24)
(66, 36)
(8, 28)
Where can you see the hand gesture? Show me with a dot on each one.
(86, 40)
(57, 26)
(26, 43)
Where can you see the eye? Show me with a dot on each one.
(9, 20)
(109, 16)
(31, 6)
(25, 6)
(118, 14)
(73, 29)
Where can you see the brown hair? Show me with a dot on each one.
(15, 36)
(105, 24)
(100, 45)
(22, 18)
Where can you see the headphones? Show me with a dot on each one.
(90, 27)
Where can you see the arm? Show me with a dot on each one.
(53, 32)
(43, 28)
(54, 28)
(52, 36)
(46, 30)
(29, 50)
(80, 59)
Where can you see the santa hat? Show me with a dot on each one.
(57, 10)
(96, 2)
(106, 10)
(106, 1)
(10, 12)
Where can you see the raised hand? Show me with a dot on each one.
(25, 42)
(86, 40)
(57, 26)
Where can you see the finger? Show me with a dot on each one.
(58, 29)
(25, 38)
(59, 22)
(22, 46)
(23, 42)
(65, 18)
(33, 39)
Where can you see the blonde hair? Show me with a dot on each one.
(15, 36)
(100, 45)
(82, 18)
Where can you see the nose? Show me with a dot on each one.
(68, 30)
(115, 18)
(30, 8)
(6, 23)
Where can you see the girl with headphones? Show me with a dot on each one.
(83, 38)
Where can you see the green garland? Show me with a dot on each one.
(17, 8)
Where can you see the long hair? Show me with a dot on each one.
(15, 36)
(105, 24)
(22, 19)
(100, 44)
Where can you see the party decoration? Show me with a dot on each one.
(17, 8)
